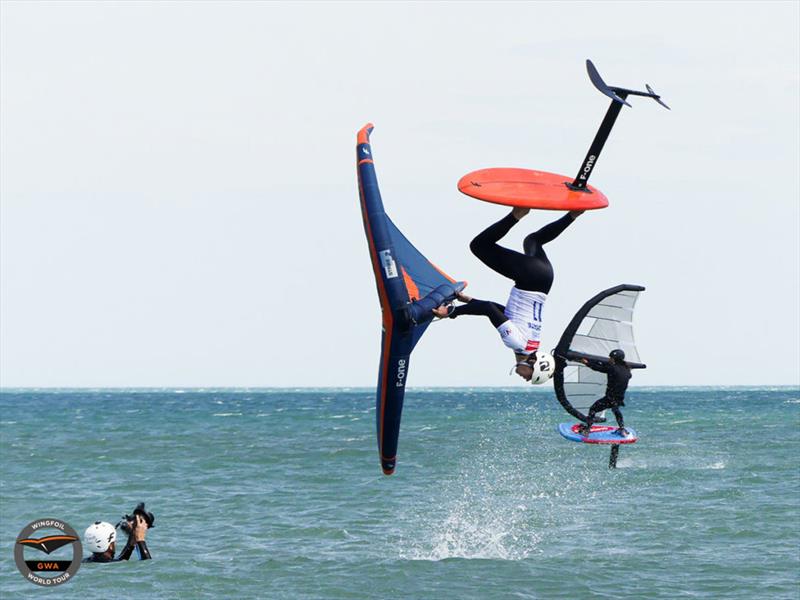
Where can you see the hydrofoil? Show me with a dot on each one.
(549, 191)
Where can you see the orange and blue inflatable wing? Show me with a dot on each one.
(409, 288)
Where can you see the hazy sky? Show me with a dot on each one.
(180, 207)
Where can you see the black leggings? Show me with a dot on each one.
(486, 308)
(530, 271)
(601, 405)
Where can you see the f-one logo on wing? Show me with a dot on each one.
(401, 373)
(48, 536)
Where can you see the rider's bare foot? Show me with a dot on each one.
(463, 297)
(520, 212)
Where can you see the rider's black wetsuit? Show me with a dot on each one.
(530, 271)
(141, 550)
(619, 375)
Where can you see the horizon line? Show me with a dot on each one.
(359, 387)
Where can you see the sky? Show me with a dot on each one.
(179, 203)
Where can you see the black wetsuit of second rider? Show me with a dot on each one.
(619, 375)
(530, 271)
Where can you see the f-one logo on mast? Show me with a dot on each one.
(45, 537)
(587, 168)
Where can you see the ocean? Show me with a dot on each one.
(278, 493)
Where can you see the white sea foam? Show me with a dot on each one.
(477, 531)
(720, 464)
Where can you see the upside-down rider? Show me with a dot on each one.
(519, 322)
(619, 374)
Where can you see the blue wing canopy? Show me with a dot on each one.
(409, 287)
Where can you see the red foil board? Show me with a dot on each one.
(529, 189)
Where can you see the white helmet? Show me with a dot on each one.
(99, 536)
(543, 368)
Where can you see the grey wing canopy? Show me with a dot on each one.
(603, 324)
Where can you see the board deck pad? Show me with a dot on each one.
(600, 434)
(529, 189)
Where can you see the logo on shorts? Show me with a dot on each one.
(48, 536)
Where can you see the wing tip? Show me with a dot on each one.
(388, 465)
(363, 133)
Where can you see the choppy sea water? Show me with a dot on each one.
(279, 494)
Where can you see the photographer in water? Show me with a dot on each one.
(101, 537)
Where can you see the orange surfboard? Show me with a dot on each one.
(529, 189)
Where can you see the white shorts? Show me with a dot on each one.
(516, 339)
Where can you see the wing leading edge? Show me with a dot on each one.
(409, 287)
